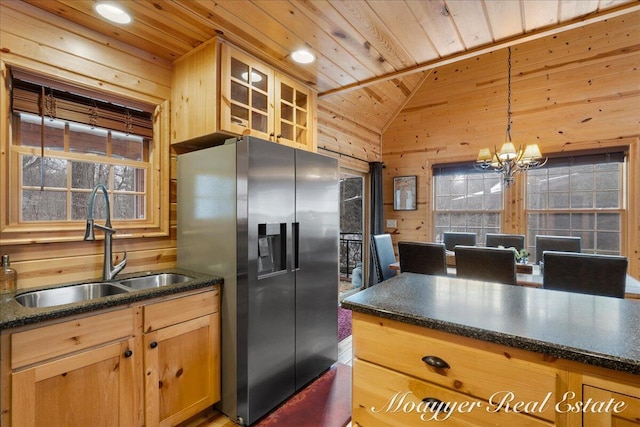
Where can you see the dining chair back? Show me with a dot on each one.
(556, 243)
(422, 258)
(451, 239)
(383, 256)
(603, 275)
(488, 264)
(494, 240)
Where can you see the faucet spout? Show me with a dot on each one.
(109, 271)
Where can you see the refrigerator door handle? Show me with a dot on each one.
(295, 233)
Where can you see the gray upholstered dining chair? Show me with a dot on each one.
(556, 243)
(383, 256)
(422, 258)
(453, 238)
(494, 240)
(603, 275)
(487, 264)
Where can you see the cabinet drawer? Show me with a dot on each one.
(382, 397)
(178, 310)
(46, 342)
(468, 366)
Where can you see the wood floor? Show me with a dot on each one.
(213, 418)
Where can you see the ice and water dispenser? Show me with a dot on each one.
(272, 248)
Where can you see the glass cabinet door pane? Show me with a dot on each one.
(259, 80)
(286, 93)
(301, 100)
(239, 93)
(239, 70)
(286, 112)
(259, 121)
(259, 101)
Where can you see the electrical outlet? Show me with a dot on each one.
(392, 223)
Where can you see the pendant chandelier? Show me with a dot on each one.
(509, 161)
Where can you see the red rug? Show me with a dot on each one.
(344, 323)
(326, 402)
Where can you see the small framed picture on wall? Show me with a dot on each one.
(404, 193)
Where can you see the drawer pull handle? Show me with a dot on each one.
(435, 404)
(128, 353)
(153, 344)
(436, 362)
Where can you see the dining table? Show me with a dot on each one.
(534, 278)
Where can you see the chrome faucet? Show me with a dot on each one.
(108, 269)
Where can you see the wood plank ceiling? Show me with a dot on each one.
(371, 54)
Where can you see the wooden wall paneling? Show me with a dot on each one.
(63, 50)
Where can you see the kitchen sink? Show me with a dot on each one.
(69, 294)
(154, 281)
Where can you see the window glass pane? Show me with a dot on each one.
(30, 135)
(607, 199)
(559, 200)
(581, 191)
(127, 206)
(44, 205)
(467, 202)
(608, 242)
(583, 221)
(55, 172)
(80, 203)
(581, 199)
(126, 178)
(88, 175)
(609, 222)
(84, 139)
(125, 146)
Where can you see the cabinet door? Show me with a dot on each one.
(247, 95)
(182, 370)
(609, 409)
(93, 388)
(295, 121)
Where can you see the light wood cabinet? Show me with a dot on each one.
(181, 358)
(219, 91)
(65, 392)
(151, 364)
(401, 373)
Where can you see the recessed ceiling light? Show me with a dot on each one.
(303, 56)
(113, 13)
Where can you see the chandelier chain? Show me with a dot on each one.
(509, 93)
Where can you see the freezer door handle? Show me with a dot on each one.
(295, 233)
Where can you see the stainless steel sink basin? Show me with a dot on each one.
(154, 281)
(69, 294)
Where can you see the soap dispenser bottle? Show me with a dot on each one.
(8, 276)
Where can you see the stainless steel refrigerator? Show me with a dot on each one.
(266, 217)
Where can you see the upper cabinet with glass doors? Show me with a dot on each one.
(219, 91)
(247, 89)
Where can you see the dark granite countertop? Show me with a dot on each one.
(599, 331)
(12, 314)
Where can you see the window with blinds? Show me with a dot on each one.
(66, 140)
(579, 195)
(466, 199)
